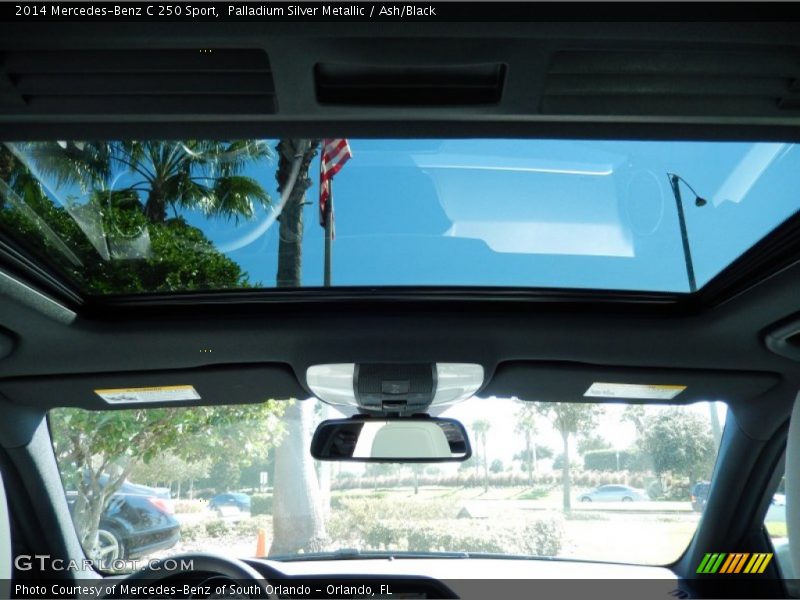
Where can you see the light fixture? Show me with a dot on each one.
(394, 388)
(333, 383)
(456, 382)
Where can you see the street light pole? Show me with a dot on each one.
(328, 235)
(674, 181)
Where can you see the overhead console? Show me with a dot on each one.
(396, 389)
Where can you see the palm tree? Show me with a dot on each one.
(298, 513)
(569, 418)
(192, 174)
(290, 245)
(526, 425)
(481, 428)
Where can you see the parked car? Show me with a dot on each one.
(700, 495)
(230, 500)
(144, 490)
(136, 522)
(614, 493)
(775, 512)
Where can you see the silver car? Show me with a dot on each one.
(614, 493)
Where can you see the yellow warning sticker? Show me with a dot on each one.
(166, 393)
(633, 391)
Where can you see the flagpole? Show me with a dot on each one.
(328, 231)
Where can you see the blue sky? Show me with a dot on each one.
(530, 213)
(527, 213)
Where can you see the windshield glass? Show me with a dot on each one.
(128, 217)
(607, 482)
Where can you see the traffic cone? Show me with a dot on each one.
(261, 543)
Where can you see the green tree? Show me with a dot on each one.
(526, 459)
(569, 418)
(98, 450)
(496, 466)
(678, 441)
(592, 441)
(635, 414)
(481, 427)
(169, 469)
(224, 475)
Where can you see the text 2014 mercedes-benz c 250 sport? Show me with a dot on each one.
(317, 308)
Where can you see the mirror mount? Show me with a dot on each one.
(416, 439)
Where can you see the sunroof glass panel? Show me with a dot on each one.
(130, 217)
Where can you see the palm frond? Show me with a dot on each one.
(237, 196)
(83, 165)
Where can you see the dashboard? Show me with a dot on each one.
(399, 578)
(483, 578)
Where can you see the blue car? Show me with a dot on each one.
(230, 500)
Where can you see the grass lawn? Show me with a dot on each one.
(777, 529)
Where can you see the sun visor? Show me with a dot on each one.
(566, 382)
(183, 387)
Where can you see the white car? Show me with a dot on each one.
(614, 493)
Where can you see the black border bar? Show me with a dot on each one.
(308, 12)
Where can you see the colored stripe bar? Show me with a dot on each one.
(735, 562)
(741, 562)
(767, 558)
(710, 564)
(728, 563)
(701, 568)
(753, 564)
(717, 563)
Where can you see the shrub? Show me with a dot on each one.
(261, 504)
(540, 537)
(432, 526)
(248, 528)
(189, 506)
(217, 528)
(193, 532)
(655, 490)
(543, 536)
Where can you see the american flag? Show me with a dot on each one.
(335, 153)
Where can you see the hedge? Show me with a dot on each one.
(261, 504)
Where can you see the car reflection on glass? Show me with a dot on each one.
(614, 493)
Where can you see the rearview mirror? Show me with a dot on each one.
(395, 439)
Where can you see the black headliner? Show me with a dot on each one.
(723, 334)
(527, 48)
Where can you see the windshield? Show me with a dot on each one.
(130, 217)
(607, 482)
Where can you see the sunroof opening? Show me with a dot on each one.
(133, 217)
